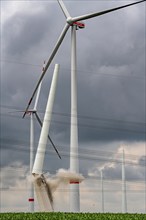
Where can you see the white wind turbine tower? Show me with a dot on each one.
(124, 197)
(31, 113)
(102, 191)
(74, 23)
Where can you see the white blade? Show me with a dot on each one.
(40, 154)
(37, 96)
(64, 9)
(38, 91)
(92, 15)
(60, 39)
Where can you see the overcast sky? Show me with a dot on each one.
(111, 96)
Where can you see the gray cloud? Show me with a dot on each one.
(111, 167)
(131, 173)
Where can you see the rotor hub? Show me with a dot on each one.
(77, 23)
(31, 111)
(69, 20)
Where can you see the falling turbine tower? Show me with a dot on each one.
(74, 23)
(43, 192)
(34, 114)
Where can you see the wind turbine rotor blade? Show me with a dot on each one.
(40, 122)
(96, 14)
(64, 9)
(60, 39)
(38, 91)
(37, 96)
(38, 118)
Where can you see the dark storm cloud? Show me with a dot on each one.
(24, 30)
(111, 60)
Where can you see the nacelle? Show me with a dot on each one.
(79, 24)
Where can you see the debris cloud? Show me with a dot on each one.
(46, 186)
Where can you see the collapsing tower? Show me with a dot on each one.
(42, 189)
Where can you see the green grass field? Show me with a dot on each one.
(71, 216)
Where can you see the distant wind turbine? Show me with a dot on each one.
(75, 23)
(124, 196)
(102, 190)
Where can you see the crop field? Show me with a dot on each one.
(71, 216)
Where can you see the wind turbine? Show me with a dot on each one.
(124, 197)
(102, 190)
(32, 113)
(74, 23)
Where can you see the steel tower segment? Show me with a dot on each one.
(74, 161)
(31, 193)
(40, 154)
